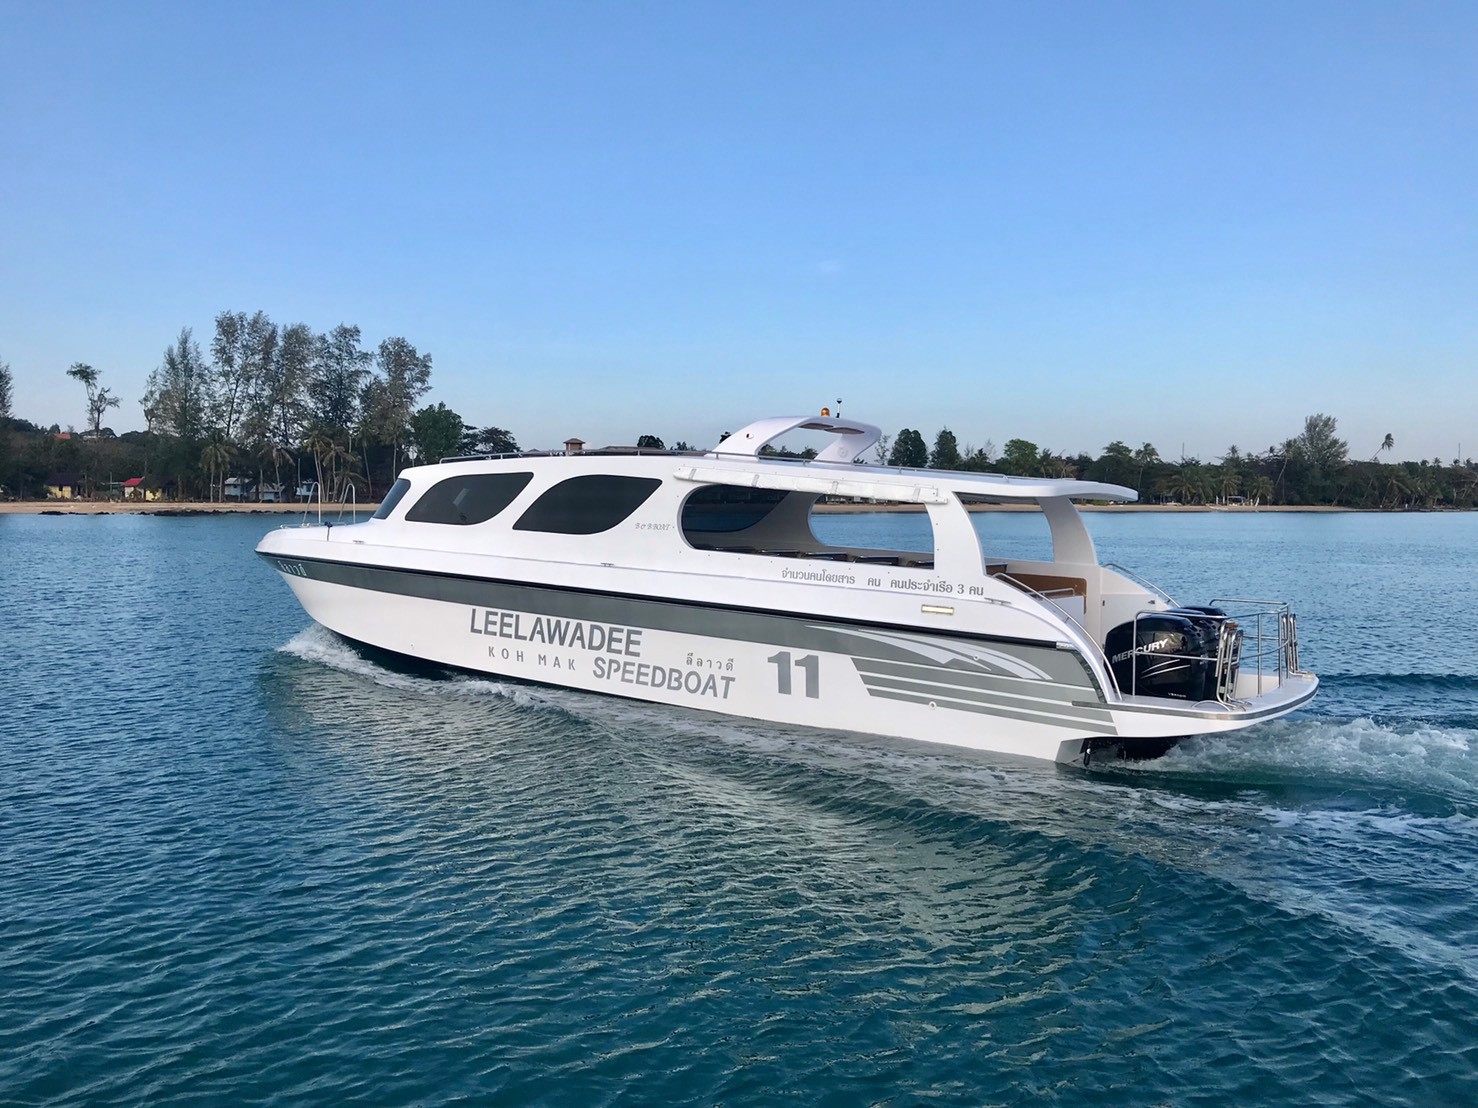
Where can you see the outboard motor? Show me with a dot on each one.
(1171, 654)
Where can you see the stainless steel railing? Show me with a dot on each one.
(1258, 635)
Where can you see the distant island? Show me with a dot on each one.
(281, 414)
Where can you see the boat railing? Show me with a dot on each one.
(597, 452)
(1271, 627)
(1125, 571)
(348, 502)
(1256, 635)
(314, 490)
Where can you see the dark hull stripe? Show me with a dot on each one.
(780, 629)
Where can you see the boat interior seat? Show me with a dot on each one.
(1048, 584)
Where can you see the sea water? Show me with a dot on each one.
(242, 862)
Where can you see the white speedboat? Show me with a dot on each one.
(697, 580)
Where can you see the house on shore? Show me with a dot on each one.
(135, 489)
(63, 486)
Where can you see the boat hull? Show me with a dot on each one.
(1010, 696)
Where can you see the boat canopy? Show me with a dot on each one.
(852, 437)
(904, 486)
(838, 470)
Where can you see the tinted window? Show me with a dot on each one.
(392, 498)
(587, 505)
(468, 498)
(728, 508)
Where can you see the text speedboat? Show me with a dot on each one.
(696, 580)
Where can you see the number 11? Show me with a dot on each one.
(810, 663)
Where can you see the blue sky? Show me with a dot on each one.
(1186, 223)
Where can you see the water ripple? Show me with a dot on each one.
(243, 861)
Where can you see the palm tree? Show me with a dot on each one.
(318, 442)
(1262, 490)
(272, 454)
(1387, 443)
(336, 455)
(216, 456)
(1397, 488)
(1146, 455)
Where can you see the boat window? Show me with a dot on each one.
(1017, 534)
(587, 505)
(719, 509)
(392, 498)
(468, 498)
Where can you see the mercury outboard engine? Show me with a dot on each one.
(1170, 654)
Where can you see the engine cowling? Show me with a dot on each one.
(1170, 654)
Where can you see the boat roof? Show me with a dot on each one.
(838, 470)
(740, 459)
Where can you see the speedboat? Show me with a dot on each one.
(696, 580)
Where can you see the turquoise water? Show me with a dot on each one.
(241, 862)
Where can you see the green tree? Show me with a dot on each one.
(175, 399)
(880, 448)
(6, 383)
(946, 452)
(650, 442)
(99, 399)
(1021, 458)
(1319, 445)
(909, 450)
(404, 377)
(243, 358)
(285, 397)
(1145, 457)
(436, 433)
(488, 440)
(1115, 465)
(217, 457)
(339, 369)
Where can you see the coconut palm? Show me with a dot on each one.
(216, 457)
(1146, 455)
(318, 442)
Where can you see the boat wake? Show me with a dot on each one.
(1422, 762)
(1437, 759)
(321, 646)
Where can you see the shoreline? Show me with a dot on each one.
(209, 508)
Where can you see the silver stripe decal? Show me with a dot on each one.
(944, 653)
(984, 682)
(1089, 727)
(1048, 708)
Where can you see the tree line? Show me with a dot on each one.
(295, 406)
(1312, 468)
(268, 402)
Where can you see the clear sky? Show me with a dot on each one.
(1187, 223)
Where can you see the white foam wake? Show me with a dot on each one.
(1423, 756)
